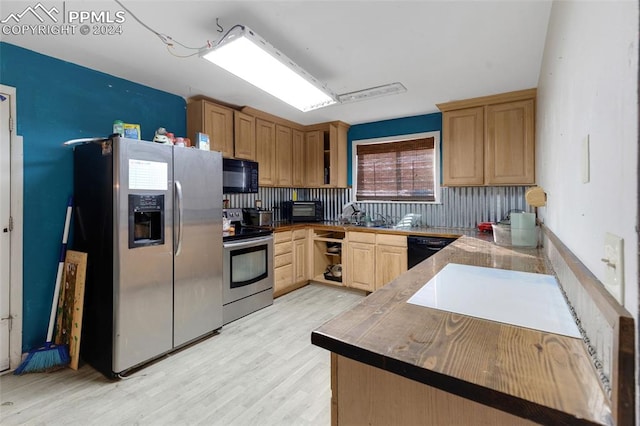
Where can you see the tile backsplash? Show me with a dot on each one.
(459, 208)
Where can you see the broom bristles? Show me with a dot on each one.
(44, 359)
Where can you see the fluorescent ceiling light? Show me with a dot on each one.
(243, 53)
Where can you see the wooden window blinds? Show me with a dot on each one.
(396, 171)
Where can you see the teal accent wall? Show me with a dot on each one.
(395, 127)
(58, 101)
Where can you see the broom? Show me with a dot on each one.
(51, 356)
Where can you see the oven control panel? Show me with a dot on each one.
(234, 215)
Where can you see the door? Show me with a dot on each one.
(509, 146)
(143, 273)
(284, 156)
(266, 151)
(391, 261)
(218, 124)
(5, 226)
(361, 259)
(314, 149)
(245, 135)
(197, 304)
(300, 258)
(463, 147)
(247, 268)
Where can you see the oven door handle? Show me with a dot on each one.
(247, 243)
(180, 220)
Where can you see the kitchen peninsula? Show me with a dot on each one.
(395, 362)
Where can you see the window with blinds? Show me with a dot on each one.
(396, 170)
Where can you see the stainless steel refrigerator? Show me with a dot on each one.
(150, 218)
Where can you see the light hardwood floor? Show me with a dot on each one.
(260, 370)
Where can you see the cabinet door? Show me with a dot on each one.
(339, 166)
(300, 260)
(218, 124)
(265, 151)
(314, 158)
(214, 120)
(282, 279)
(463, 147)
(245, 136)
(298, 159)
(360, 268)
(391, 261)
(284, 156)
(509, 144)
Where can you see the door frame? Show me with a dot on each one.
(16, 212)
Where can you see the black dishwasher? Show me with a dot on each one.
(421, 247)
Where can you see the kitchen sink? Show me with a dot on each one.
(375, 226)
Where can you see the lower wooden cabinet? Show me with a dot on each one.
(290, 261)
(361, 259)
(374, 260)
(282, 262)
(368, 260)
(300, 256)
(391, 258)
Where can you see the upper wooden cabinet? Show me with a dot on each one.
(489, 140)
(289, 154)
(298, 158)
(214, 120)
(326, 155)
(463, 147)
(314, 162)
(509, 144)
(284, 156)
(245, 135)
(266, 152)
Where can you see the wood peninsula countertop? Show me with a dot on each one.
(540, 376)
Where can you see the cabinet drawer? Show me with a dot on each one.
(281, 236)
(392, 240)
(299, 234)
(283, 259)
(362, 237)
(282, 248)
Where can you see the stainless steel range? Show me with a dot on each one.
(247, 271)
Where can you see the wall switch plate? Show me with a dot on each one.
(614, 266)
(585, 160)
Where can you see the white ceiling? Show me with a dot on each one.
(440, 50)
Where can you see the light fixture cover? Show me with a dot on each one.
(373, 92)
(247, 55)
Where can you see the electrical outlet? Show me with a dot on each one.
(614, 266)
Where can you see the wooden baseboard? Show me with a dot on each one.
(283, 291)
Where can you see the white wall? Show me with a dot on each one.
(588, 86)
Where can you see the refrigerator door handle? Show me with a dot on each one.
(180, 221)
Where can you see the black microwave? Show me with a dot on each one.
(303, 211)
(239, 176)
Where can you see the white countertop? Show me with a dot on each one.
(518, 298)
